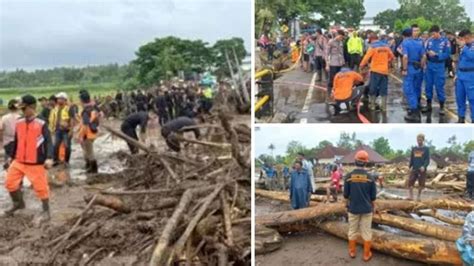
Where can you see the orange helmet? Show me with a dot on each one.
(362, 156)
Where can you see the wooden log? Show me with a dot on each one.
(111, 202)
(419, 227)
(121, 135)
(285, 196)
(424, 250)
(443, 218)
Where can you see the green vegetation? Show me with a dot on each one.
(350, 141)
(448, 14)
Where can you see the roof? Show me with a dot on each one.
(374, 157)
(329, 152)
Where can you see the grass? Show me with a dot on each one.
(72, 90)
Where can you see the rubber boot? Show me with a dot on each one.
(461, 120)
(427, 108)
(383, 104)
(44, 216)
(18, 203)
(372, 103)
(352, 248)
(94, 169)
(413, 116)
(441, 108)
(88, 166)
(367, 252)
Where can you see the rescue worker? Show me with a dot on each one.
(89, 128)
(347, 88)
(320, 47)
(206, 99)
(418, 86)
(7, 130)
(32, 154)
(355, 48)
(161, 107)
(175, 127)
(60, 125)
(271, 176)
(45, 109)
(380, 56)
(308, 166)
(470, 176)
(413, 63)
(360, 192)
(300, 186)
(130, 125)
(334, 59)
(465, 76)
(286, 177)
(438, 50)
(141, 101)
(419, 161)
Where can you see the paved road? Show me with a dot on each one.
(298, 101)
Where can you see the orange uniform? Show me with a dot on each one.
(380, 57)
(344, 81)
(32, 147)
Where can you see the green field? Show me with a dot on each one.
(72, 90)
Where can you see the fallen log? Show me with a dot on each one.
(108, 201)
(419, 227)
(285, 196)
(442, 218)
(423, 250)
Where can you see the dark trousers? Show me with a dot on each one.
(333, 70)
(162, 117)
(354, 61)
(59, 138)
(470, 184)
(132, 133)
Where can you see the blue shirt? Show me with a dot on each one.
(442, 48)
(269, 171)
(414, 50)
(466, 61)
(360, 190)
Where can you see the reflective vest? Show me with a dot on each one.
(31, 142)
(354, 45)
(64, 118)
(207, 93)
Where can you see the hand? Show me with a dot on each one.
(48, 163)
(432, 53)
(404, 72)
(327, 68)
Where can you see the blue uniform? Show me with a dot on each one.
(414, 50)
(435, 73)
(465, 81)
(300, 189)
(269, 171)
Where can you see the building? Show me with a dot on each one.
(374, 157)
(368, 24)
(330, 154)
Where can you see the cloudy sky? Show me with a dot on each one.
(48, 33)
(400, 136)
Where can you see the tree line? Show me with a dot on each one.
(160, 59)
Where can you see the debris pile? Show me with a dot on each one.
(166, 208)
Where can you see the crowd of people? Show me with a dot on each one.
(36, 141)
(358, 187)
(347, 58)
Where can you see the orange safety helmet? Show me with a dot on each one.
(362, 156)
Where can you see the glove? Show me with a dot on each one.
(48, 163)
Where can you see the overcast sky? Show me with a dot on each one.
(48, 33)
(400, 136)
(373, 7)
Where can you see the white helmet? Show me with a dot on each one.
(62, 95)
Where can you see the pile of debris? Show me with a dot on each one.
(430, 227)
(165, 208)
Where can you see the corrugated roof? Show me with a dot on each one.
(374, 157)
(330, 152)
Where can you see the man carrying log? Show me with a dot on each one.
(419, 161)
(173, 128)
(360, 192)
(130, 125)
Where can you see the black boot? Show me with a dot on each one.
(413, 116)
(427, 108)
(94, 168)
(18, 203)
(461, 120)
(441, 108)
(320, 75)
(88, 166)
(44, 216)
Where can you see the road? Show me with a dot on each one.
(299, 98)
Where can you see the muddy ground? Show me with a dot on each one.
(316, 247)
(121, 240)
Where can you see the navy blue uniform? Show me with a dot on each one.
(414, 50)
(465, 80)
(360, 190)
(435, 71)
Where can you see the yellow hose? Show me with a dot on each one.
(261, 102)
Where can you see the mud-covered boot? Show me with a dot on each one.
(88, 166)
(44, 216)
(413, 116)
(441, 108)
(18, 203)
(461, 120)
(383, 104)
(94, 169)
(427, 108)
(320, 75)
(372, 103)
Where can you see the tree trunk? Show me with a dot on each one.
(284, 196)
(418, 249)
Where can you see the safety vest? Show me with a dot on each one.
(63, 117)
(354, 45)
(207, 93)
(31, 145)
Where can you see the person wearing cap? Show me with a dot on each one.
(32, 154)
(334, 59)
(360, 192)
(465, 76)
(379, 55)
(7, 129)
(419, 161)
(438, 50)
(300, 186)
(413, 63)
(60, 125)
(347, 88)
(88, 129)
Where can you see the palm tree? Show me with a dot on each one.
(271, 148)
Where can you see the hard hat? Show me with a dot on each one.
(62, 95)
(362, 156)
